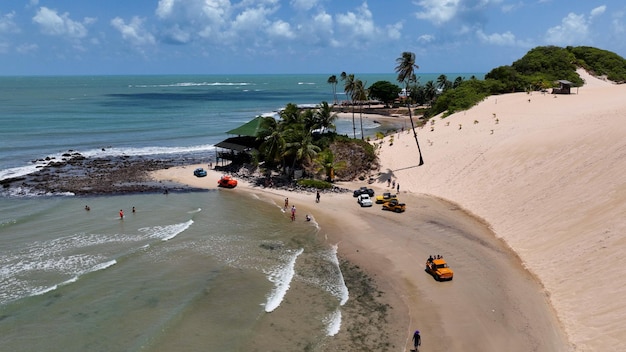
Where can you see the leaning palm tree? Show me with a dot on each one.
(332, 80)
(406, 74)
(349, 87)
(360, 95)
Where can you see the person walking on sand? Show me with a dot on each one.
(417, 340)
(286, 203)
(398, 188)
(293, 213)
(121, 214)
(317, 197)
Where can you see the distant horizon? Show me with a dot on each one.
(234, 74)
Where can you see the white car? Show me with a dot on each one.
(364, 200)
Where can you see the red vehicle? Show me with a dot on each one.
(227, 182)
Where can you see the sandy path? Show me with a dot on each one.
(547, 173)
(493, 304)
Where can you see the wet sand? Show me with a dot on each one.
(493, 304)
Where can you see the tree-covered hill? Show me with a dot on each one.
(539, 69)
(543, 65)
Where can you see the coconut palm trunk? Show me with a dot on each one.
(405, 69)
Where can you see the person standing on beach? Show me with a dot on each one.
(121, 214)
(293, 213)
(317, 197)
(286, 203)
(417, 340)
(398, 188)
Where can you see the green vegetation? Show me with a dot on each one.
(539, 69)
(384, 91)
(600, 62)
(304, 139)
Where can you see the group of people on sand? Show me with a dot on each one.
(433, 257)
(393, 184)
(293, 209)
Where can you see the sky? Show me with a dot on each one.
(116, 37)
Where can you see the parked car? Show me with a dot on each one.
(199, 172)
(439, 269)
(385, 197)
(364, 200)
(395, 206)
(363, 190)
(227, 182)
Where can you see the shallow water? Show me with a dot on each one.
(196, 267)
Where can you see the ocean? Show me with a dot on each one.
(198, 271)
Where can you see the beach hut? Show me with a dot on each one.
(564, 87)
(237, 149)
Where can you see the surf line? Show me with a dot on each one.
(282, 279)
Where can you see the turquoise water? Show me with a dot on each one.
(190, 269)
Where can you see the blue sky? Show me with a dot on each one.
(79, 37)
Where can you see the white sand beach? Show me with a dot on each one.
(533, 181)
(546, 172)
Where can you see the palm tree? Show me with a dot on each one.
(300, 148)
(430, 92)
(332, 80)
(325, 117)
(360, 95)
(349, 88)
(406, 74)
(273, 141)
(457, 82)
(326, 162)
(443, 84)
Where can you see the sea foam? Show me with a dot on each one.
(166, 233)
(333, 322)
(281, 277)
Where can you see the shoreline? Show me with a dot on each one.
(391, 249)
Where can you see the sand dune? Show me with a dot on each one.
(547, 173)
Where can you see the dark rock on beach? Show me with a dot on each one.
(79, 175)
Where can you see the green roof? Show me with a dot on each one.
(250, 128)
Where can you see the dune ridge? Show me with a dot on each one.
(547, 173)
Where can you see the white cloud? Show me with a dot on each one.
(618, 23)
(394, 31)
(251, 20)
(165, 8)
(506, 38)
(133, 32)
(438, 11)
(359, 25)
(303, 5)
(51, 23)
(426, 38)
(7, 25)
(176, 35)
(27, 48)
(598, 11)
(281, 29)
(573, 29)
